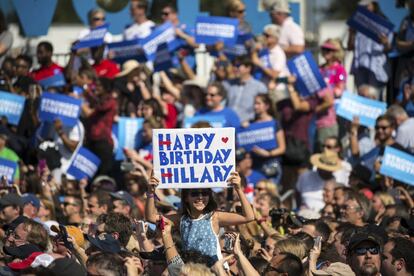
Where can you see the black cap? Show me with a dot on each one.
(105, 243)
(409, 225)
(10, 199)
(66, 267)
(125, 196)
(12, 225)
(360, 237)
(21, 252)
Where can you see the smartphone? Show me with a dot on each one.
(140, 226)
(228, 243)
(127, 166)
(282, 80)
(317, 242)
(230, 195)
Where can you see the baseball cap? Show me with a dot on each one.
(76, 234)
(360, 237)
(335, 269)
(10, 199)
(66, 267)
(105, 243)
(30, 198)
(122, 195)
(26, 263)
(281, 6)
(21, 252)
(12, 225)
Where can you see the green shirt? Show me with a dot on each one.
(10, 155)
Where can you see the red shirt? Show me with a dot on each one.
(46, 71)
(171, 118)
(106, 68)
(101, 120)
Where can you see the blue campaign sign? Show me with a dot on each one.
(261, 134)
(162, 34)
(309, 79)
(35, 16)
(65, 108)
(163, 58)
(127, 49)
(8, 169)
(94, 39)
(212, 29)
(370, 24)
(239, 49)
(193, 158)
(84, 165)
(398, 165)
(53, 81)
(11, 106)
(265, 59)
(366, 109)
(129, 134)
(213, 120)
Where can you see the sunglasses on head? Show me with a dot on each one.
(363, 250)
(199, 193)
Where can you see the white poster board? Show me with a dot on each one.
(193, 158)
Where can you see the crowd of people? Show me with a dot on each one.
(315, 204)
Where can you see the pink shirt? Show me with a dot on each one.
(328, 117)
(335, 76)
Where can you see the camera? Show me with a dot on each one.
(285, 218)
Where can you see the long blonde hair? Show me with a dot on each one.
(339, 54)
(192, 269)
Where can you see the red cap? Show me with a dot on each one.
(19, 265)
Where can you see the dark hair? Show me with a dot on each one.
(185, 209)
(403, 249)
(26, 59)
(3, 22)
(321, 227)
(305, 238)
(88, 72)
(291, 265)
(118, 223)
(259, 264)
(143, 4)
(244, 60)
(329, 253)
(156, 108)
(103, 198)
(106, 84)
(47, 45)
(388, 118)
(171, 6)
(266, 99)
(221, 90)
(108, 262)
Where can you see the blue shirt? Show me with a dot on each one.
(231, 117)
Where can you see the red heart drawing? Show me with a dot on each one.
(225, 139)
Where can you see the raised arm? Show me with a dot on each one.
(151, 214)
(227, 219)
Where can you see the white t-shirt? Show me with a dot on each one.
(310, 186)
(138, 30)
(342, 176)
(405, 135)
(277, 59)
(291, 34)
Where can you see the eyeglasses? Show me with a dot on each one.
(381, 127)
(363, 250)
(328, 146)
(199, 193)
(211, 94)
(98, 19)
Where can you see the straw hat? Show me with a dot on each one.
(127, 67)
(281, 6)
(327, 161)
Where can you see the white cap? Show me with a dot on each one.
(281, 6)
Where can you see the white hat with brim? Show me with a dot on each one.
(327, 161)
(281, 6)
(127, 67)
(366, 2)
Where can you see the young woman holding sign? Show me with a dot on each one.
(268, 161)
(199, 221)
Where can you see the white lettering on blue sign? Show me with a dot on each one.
(6, 171)
(399, 163)
(256, 136)
(359, 109)
(10, 107)
(85, 165)
(165, 37)
(214, 29)
(60, 108)
(370, 24)
(95, 34)
(306, 73)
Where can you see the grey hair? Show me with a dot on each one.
(93, 12)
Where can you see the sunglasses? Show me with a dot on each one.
(211, 94)
(199, 193)
(165, 14)
(328, 146)
(98, 19)
(363, 250)
(259, 188)
(381, 127)
(69, 203)
(241, 11)
(266, 34)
